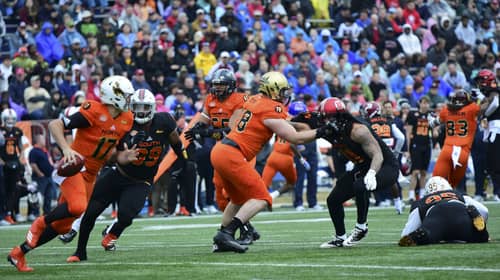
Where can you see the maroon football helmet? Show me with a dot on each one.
(458, 99)
(486, 81)
(370, 110)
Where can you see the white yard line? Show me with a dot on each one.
(282, 265)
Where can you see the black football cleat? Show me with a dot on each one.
(68, 237)
(224, 242)
(248, 234)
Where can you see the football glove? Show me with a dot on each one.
(370, 180)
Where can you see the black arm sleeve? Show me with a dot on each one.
(312, 119)
(77, 120)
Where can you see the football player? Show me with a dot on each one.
(490, 108)
(100, 126)
(10, 154)
(443, 214)
(263, 114)
(130, 180)
(375, 167)
(392, 136)
(460, 120)
(219, 106)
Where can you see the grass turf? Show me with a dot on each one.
(180, 248)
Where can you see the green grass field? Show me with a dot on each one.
(180, 248)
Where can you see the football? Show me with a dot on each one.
(70, 168)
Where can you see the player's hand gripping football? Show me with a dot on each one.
(70, 155)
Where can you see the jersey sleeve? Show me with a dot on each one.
(274, 111)
(77, 120)
(90, 111)
(167, 122)
(412, 120)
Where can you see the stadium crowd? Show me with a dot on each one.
(400, 54)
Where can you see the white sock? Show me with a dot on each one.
(343, 236)
(411, 194)
(361, 226)
(397, 203)
(421, 192)
(76, 224)
(275, 194)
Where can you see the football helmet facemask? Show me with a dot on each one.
(9, 118)
(223, 84)
(143, 105)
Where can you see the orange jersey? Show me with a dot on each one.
(97, 141)
(220, 112)
(460, 125)
(250, 133)
(282, 146)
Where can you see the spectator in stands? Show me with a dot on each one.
(376, 85)
(363, 21)
(126, 37)
(349, 30)
(298, 45)
(138, 81)
(433, 94)
(409, 42)
(224, 42)
(160, 106)
(5, 72)
(444, 88)
(436, 54)
(23, 60)
(245, 74)
(320, 89)
(412, 16)
(399, 80)
(22, 37)
(126, 62)
(86, 26)
(361, 86)
(205, 59)
(346, 49)
(70, 34)
(322, 41)
(292, 30)
(465, 31)
(17, 86)
(446, 31)
(280, 51)
(48, 45)
(73, 54)
(66, 87)
(128, 17)
(36, 98)
(182, 100)
(456, 79)
(440, 7)
(223, 63)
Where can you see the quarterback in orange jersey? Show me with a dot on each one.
(281, 158)
(263, 115)
(99, 128)
(460, 120)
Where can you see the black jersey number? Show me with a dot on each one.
(219, 122)
(103, 147)
(242, 124)
(459, 128)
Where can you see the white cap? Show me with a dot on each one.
(223, 29)
(358, 73)
(224, 54)
(325, 32)
(76, 67)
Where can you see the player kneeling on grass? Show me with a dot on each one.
(443, 214)
(130, 180)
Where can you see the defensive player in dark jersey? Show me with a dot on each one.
(419, 135)
(375, 167)
(490, 108)
(387, 130)
(443, 214)
(9, 158)
(130, 180)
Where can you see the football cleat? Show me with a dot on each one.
(356, 235)
(35, 231)
(68, 237)
(9, 219)
(108, 242)
(334, 243)
(75, 258)
(248, 234)
(224, 242)
(407, 241)
(477, 219)
(16, 258)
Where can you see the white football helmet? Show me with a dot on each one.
(9, 118)
(436, 184)
(143, 105)
(116, 91)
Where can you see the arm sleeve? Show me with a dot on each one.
(413, 223)
(400, 138)
(492, 107)
(77, 120)
(479, 206)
